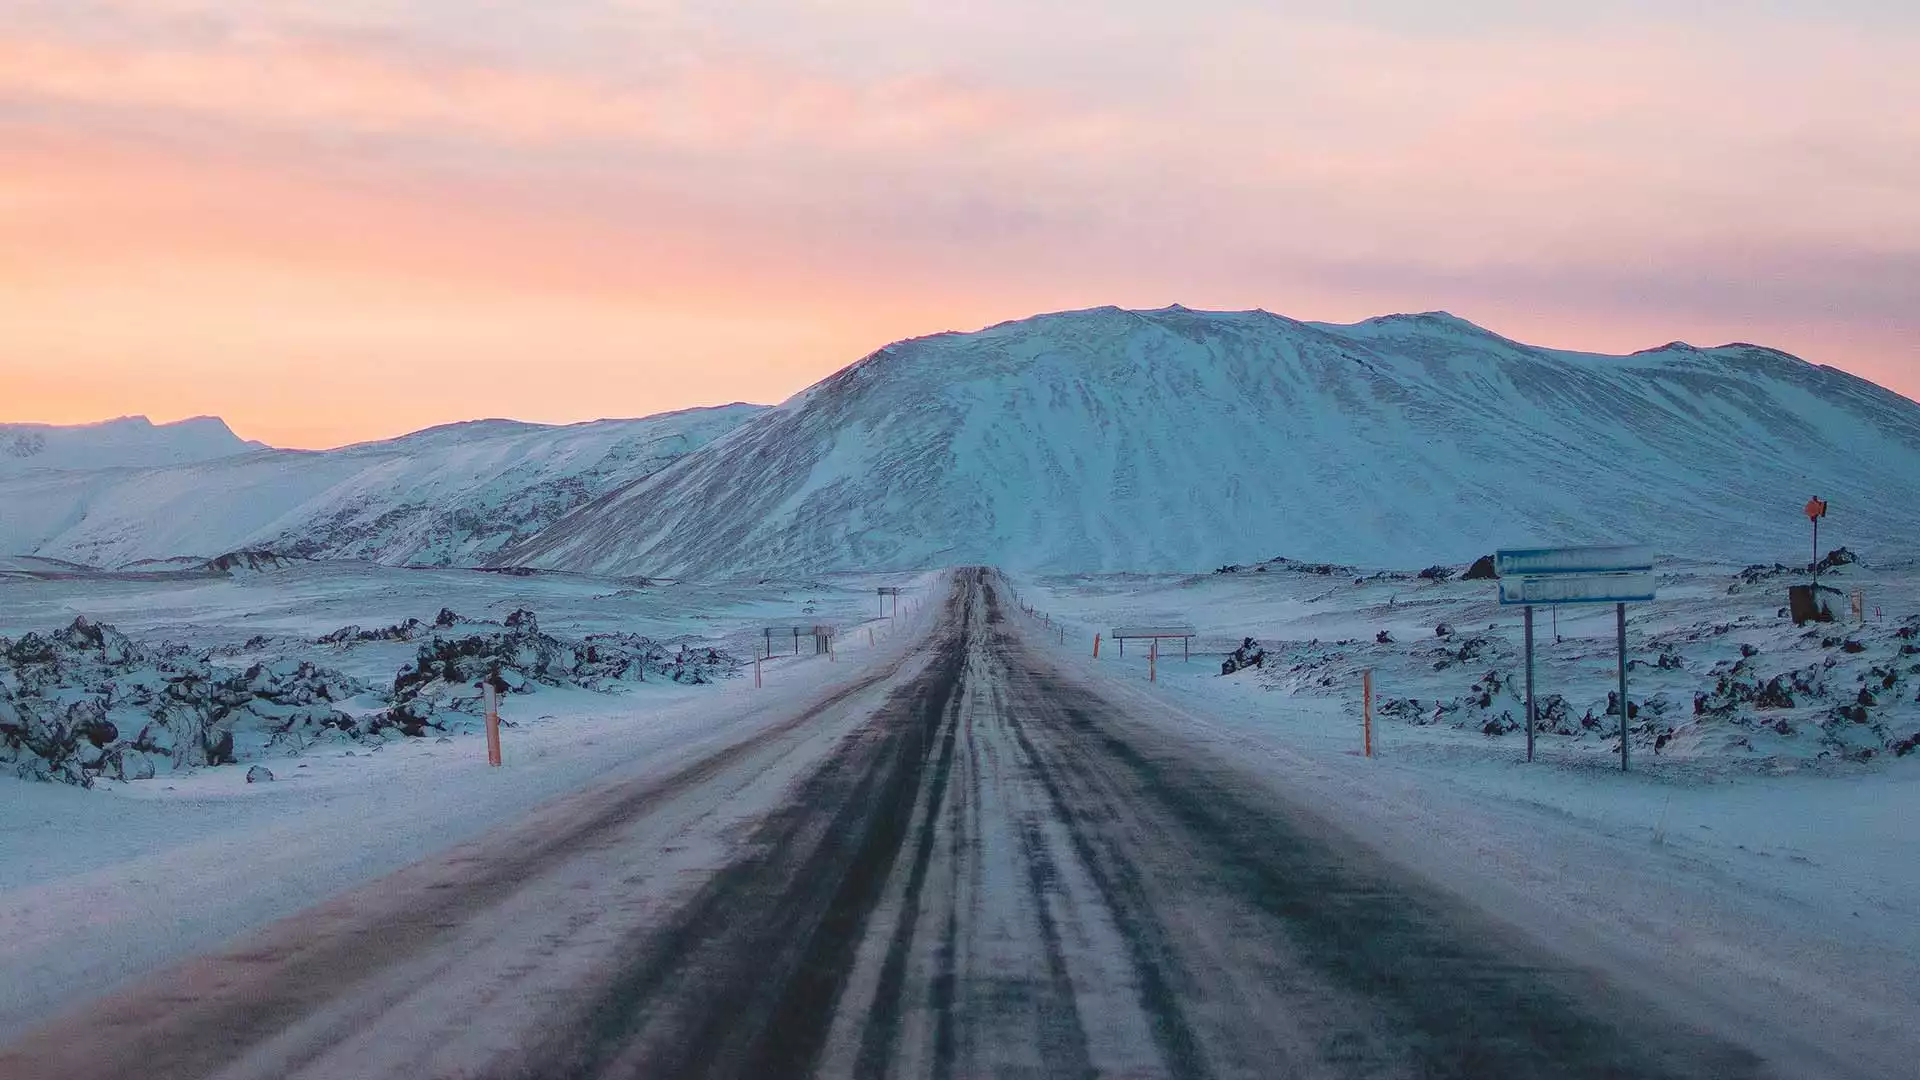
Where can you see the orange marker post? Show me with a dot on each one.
(1096, 646)
(493, 726)
(1366, 708)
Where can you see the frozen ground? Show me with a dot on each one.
(99, 884)
(1771, 885)
(971, 859)
(1774, 874)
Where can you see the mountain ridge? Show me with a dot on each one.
(120, 442)
(441, 496)
(1084, 440)
(1094, 439)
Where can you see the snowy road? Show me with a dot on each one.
(966, 863)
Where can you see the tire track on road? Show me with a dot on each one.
(1443, 991)
(191, 1019)
(743, 981)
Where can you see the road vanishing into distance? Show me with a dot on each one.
(965, 863)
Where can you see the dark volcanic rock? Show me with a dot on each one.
(1483, 569)
(1249, 654)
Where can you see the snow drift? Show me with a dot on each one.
(1108, 440)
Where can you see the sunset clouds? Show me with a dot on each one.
(347, 221)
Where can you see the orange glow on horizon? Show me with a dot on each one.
(327, 226)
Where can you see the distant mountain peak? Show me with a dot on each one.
(121, 442)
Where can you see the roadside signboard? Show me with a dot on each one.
(1548, 577)
(822, 636)
(1183, 632)
(1538, 577)
(1121, 632)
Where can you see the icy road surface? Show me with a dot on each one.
(972, 864)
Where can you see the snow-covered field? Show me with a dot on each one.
(1736, 867)
(98, 884)
(1774, 874)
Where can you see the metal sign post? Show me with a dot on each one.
(1591, 575)
(1816, 509)
(1530, 713)
(1184, 633)
(1624, 707)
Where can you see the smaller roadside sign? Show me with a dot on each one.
(1584, 575)
(1124, 632)
(1816, 508)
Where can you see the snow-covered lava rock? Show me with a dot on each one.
(1751, 685)
(442, 687)
(87, 701)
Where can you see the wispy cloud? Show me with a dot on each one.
(849, 170)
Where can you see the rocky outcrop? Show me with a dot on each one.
(86, 701)
(1248, 655)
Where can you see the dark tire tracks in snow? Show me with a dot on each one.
(997, 872)
(190, 1020)
(995, 878)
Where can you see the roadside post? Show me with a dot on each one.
(756, 673)
(1618, 575)
(1096, 646)
(1153, 660)
(1366, 710)
(493, 724)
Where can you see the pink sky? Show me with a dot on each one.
(348, 224)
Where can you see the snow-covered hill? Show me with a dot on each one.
(445, 496)
(1174, 439)
(128, 441)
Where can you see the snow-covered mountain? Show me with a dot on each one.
(128, 441)
(1119, 440)
(445, 496)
